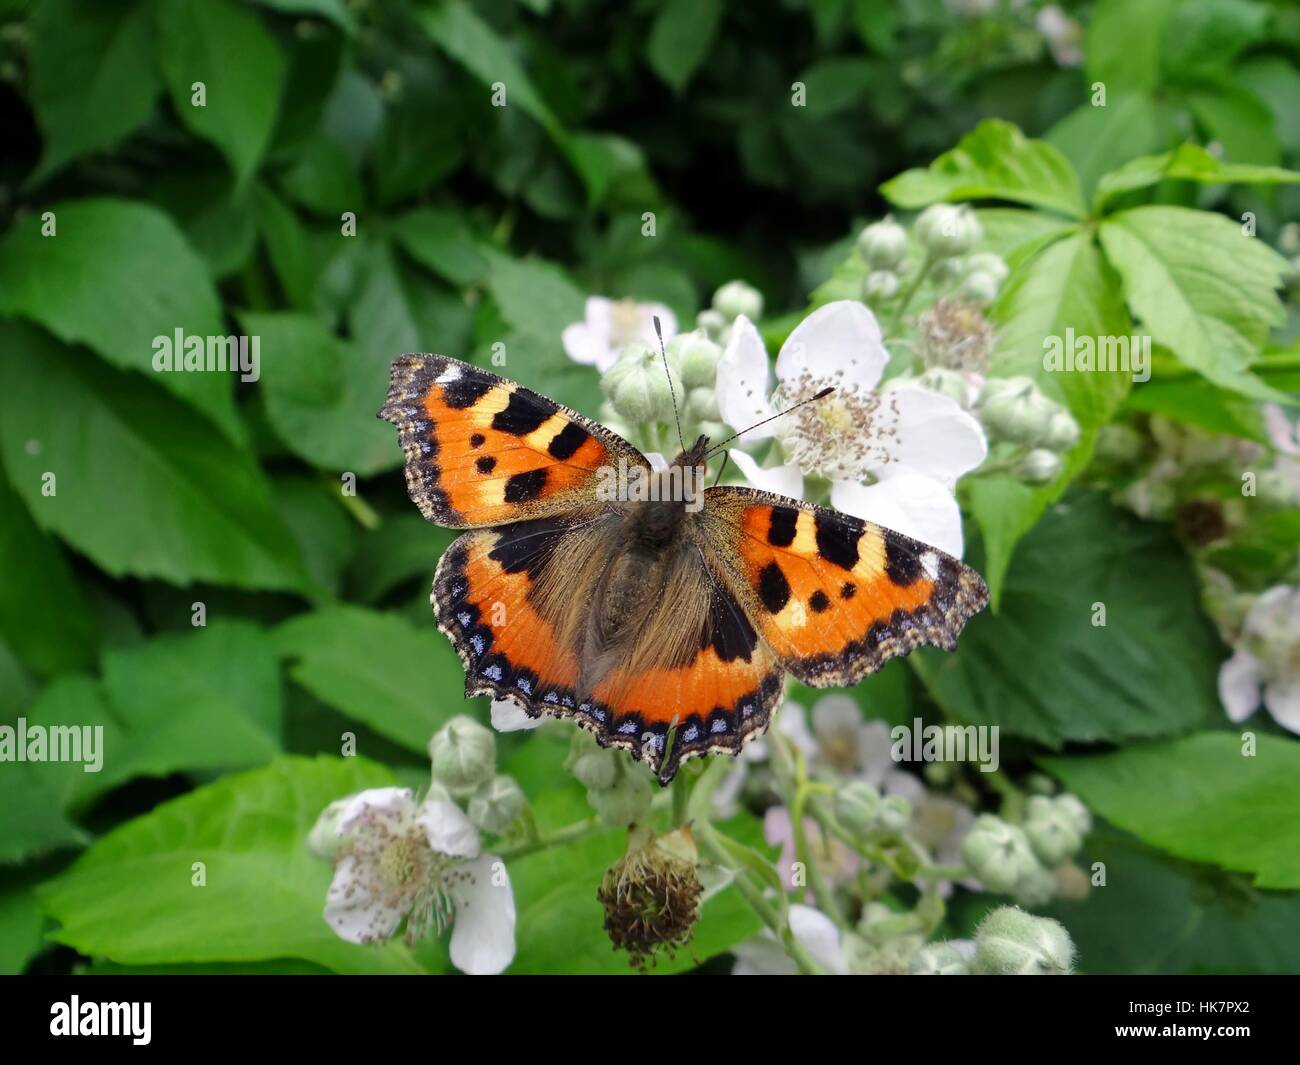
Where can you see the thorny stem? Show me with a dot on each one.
(826, 900)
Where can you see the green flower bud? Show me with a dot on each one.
(895, 814)
(323, 840)
(948, 229)
(1062, 431)
(1011, 942)
(464, 755)
(986, 262)
(696, 358)
(997, 853)
(496, 805)
(883, 244)
(1118, 444)
(736, 298)
(1274, 488)
(951, 383)
(711, 322)
(595, 767)
(1036, 889)
(1052, 830)
(1288, 238)
(1038, 466)
(626, 801)
(880, 286)
(857, 807)
(637, 385)
(1072, 808)
(942, 959)
(1014, 409)
(702, 405)
(980, 287)
(948, 271)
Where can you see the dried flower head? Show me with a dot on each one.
(652, 895)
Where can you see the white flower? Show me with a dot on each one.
(1064, 36)
(1266, 665)
(511, 717)
(395, 861)
(609, 324)
(910, 445)
(812, 930)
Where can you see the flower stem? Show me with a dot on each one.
(908, 294)
(366, 515)
(706, 839)
(568, 834)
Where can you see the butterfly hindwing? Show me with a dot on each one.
(694, 679)
(834, 596)
(481, 450)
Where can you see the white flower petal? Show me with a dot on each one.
(483, 938)
(447, 828)
(915, 506)
(743, 381)
(583, 345)
(839, 343)
(511, 717)
(667, 322)
(932, 436)
(391, 804)
(1239, 681)
(353, 910)
(817, 934)
(875, 752)
(836, 715)
(656, 460)
(784, 480)
(793, 724)
(762, 956)
(1282, 697)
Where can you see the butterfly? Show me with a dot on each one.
(662, 621)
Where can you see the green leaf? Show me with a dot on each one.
(1098, 139)
(1122, 49)
(322, 528)
(1195, 401)
(34, 822)
(131, 897)
(1159, 915)
(681, 37)
(402, 681)
(1064, 286)
(1214, 321)
(1187, 162)
(1040, 668)
(43, 615)
(118, 277)
(142, 486)
(322, 394)
(538, 300)
(289, 249)
(561, 924)
(223, 45)
(1238, 122)
(1208, 35)
(995, 161)
(183, 707)
(402, 549)
(1202, 799)
(1016, 235)
(108, 46)
(439, 239)
(835, 85)
(322, 179)
(21, 922)
(335, 11)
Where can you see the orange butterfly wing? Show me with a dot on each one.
(481, 450)
(834, 596)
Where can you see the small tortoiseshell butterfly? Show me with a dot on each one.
(664, 627)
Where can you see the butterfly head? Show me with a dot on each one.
(694, 456)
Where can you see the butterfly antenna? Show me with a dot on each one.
(803, 402)
(671, 391)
